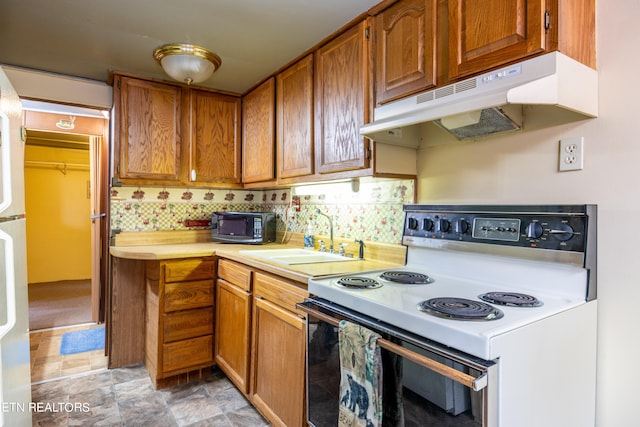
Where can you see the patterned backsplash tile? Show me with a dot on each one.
(373, 213)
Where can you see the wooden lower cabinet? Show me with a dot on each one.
(278, 351)
(260, 340)
(179, 319)
(233, 329)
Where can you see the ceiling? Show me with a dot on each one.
(90, 38)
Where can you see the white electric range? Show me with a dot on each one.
(538, 322)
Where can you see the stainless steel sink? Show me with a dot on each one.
(296, 256)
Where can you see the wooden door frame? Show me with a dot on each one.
(92, 127)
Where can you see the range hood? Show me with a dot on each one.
(553, 85)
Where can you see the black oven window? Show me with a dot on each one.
(423, 400)
(233, 226)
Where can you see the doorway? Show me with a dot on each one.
(66, 182)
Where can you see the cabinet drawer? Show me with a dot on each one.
(188, 269)
(187, 324)
(235, 273)
(278, 291)
(187, 354)
(187, 295)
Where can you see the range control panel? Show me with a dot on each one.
(547, 227)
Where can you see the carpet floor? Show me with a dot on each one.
(55, 304)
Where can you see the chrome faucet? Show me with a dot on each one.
(330, 229)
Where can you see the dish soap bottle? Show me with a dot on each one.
(308, 238)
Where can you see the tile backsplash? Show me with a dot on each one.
(373, 213)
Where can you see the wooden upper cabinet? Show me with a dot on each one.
(214, 149)
(149, 134)
(405, 49)
(489, 33)
(258, 133)
(342, 100)
(294, 106)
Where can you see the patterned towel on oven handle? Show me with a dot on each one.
(360, 377)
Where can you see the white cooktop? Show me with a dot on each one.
(465, 275)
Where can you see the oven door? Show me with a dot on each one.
(440, 386)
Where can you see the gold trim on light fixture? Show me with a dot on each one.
(187, 62)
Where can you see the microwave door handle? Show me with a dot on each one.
(475, 383)
(10, 283)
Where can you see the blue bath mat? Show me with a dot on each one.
(81, 341)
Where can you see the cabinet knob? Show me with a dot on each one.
(193, 174)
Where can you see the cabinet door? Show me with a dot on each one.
(486, 34)
(233, 323)
(258, 133)
(405, 49)
(294, 103)
(278, 380)
(149, 130)
(342, 93)
(214, 152)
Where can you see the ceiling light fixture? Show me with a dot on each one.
(187, 63)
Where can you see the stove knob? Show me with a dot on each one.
(563, 232)
(534, 230)
(461, 226)
(412, 224)
(442, 225)
(427, 224)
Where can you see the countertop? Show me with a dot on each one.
(299, 272)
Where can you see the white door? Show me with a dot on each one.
(15, 375)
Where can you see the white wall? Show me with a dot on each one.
(522, 168)
(59, 88)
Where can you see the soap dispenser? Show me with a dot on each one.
(308, 238)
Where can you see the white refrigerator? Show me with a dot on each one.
(15, 375)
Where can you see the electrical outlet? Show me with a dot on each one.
(295, 202)
(571, 154)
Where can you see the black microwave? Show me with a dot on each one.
(243, 227)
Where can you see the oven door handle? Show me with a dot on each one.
(475, 383)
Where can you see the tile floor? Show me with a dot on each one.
(78, 392)
(48, 363)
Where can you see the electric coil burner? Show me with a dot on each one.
(511, 299)
(406, 277)
(460, 309)
(358, 282)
